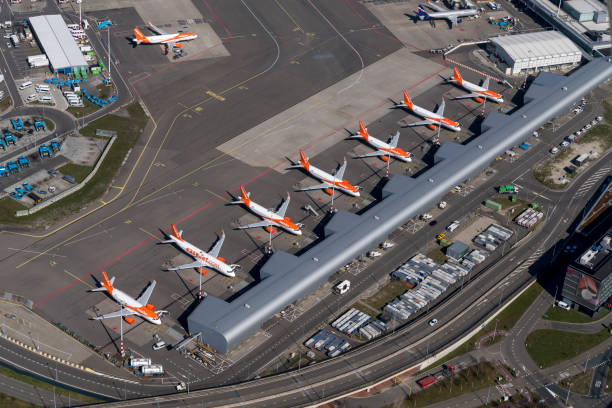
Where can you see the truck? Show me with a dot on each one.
(427, 381)
(139, 362)
(508, 188)
(154, 369)
(580, 160)
(15, 40)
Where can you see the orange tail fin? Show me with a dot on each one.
(363, 131)
(407, 100)
(244, 196)
(175, 232)
(304, 160)
(106, 282)
(457, 75)
(140, 37)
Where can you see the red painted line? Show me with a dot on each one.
(473, 70)
(218, 19)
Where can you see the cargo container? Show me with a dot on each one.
(508, 188)
(580, 160)
(427, 381)
(139, 362)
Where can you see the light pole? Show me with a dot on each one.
(80, 19)
(569, 387)
(121, 332)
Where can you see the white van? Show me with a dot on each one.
(454, 225)
(25, 85)
(45, 99)
(43, 88)
(31, 98)
(342, 287)
(563, 305)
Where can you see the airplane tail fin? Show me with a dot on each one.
(139, 36)
(407, 100)
(363, 131)
(107, 284)
(244, 197)
(304, 160)
(457, 76)
(175, 233)
(421, 12)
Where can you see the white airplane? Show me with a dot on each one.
(451, 15)
(432, 119)
(384, 150)
(170, 40)
(477, 92)
(330, 182)
(131, 306)
(270, 218)
(202, 259)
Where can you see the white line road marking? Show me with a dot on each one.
(37, 252)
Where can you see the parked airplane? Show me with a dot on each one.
(170, 40)
(270, 218)
(477, 92)
(131, 306)
(451, 15)
(384, 150)
(432, 119)
(330, 182)
(202, 259)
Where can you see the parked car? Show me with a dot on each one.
(554, 150)
(564, 143)
(159, 345)
(433, 322)
(563, 305)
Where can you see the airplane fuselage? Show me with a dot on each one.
(135, 306)
(337, 183)
(167, 38)
(270, 216)
(199, 255)
(434, 117)
(449, 14)
(480, 91)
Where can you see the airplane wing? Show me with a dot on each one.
(340, 172)
(472, 95)
(422, 123)
(485, 84)
(215, 250)
(264, 223)
(436, 7)
(377, 153)
(118, 313)
(144, 298)
(157, 29)
(440, 110)
(193, 265)
(316, 187)
(394, 139)
(283, 207)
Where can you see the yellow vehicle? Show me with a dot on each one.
(440, 237)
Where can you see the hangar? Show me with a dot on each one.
(56, 41)
(286, 278)
(536, 50)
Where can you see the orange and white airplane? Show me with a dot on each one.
(477, 92)
(170, 40)
(384, 150)
(330, 182)
(202, 259)
(131, 306)
(432, 119)
(270, 218)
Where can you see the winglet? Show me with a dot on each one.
(457, 76)
(363, 131)
(176, 234)
(304, 160)
(407, 100)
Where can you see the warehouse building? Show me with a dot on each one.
(586, 10)
(532, 51)
(56, 41)
(287, 278)
(457, 250)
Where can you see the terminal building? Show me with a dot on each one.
(288, 278)
(57, 43)
(533, 51)
(588, 278)
(586, 10)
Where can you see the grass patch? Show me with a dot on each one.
(504, 201)
(49, 124)
(7, 401)
(571, 316)
(471, 379)
(543, 173)
(5, 103)
(386, 294)
(366, 309)
(580, 383)
(8, 207)
(548, 347)
(105, 91)
(128, 131)
(506, 321)
(7, 372)
(80, 112)
(75, 170)
(437, 256)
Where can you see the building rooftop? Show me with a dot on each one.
(57, 42)
(595, 260)
(539, 45)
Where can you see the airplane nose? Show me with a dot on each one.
(298, 232)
